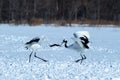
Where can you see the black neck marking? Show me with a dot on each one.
(65, 41)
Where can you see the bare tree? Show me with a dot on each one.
(1, 3)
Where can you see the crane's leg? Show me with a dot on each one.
(30, 56)
(40, 58)
(83, 57)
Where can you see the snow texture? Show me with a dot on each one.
(102, 63)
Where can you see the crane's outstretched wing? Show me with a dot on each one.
(33, 40)
(79, 34)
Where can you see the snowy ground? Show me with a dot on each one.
(102, 63)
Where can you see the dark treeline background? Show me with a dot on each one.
(25, 11)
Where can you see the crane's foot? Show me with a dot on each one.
(30, 56)
(79, 60)
(83, 58)
(40, 58)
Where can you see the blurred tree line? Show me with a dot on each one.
(25, 11)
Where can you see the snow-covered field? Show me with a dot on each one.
(102, 63)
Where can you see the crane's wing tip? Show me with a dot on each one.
(81, 34)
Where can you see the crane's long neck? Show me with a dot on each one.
(65, 43)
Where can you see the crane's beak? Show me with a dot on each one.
(64, 41)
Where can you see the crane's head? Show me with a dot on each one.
(64, 41)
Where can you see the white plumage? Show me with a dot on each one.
(81, 40)
(81, 33)
(34, 46)
(78, 41)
